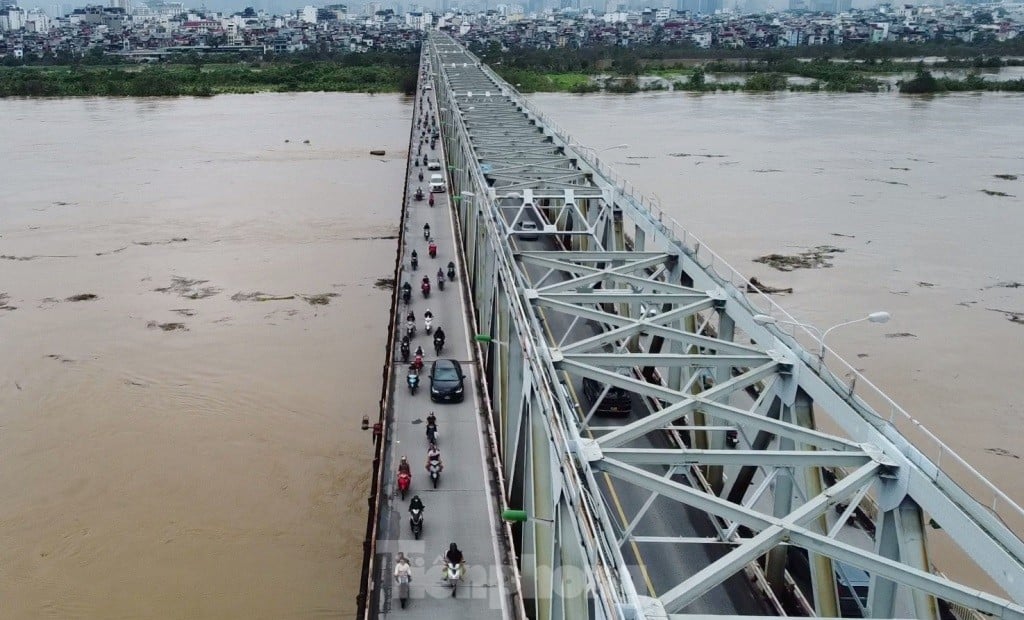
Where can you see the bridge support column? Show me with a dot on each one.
(716, 439)
(822, 571)
(900, 536)
(775, 567)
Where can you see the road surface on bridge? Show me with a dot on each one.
(461, 509)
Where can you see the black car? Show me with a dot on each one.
(446, 381)
(616, 402)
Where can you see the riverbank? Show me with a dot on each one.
(200, 80)
(767, 76)
(392, 74)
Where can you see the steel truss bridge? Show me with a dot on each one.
(744, 418)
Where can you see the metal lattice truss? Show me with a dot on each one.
(730, 405)
(717, 372)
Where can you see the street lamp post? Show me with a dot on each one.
(874, 317)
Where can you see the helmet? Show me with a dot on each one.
(403, 458)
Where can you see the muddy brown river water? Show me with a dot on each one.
(176, 447)
(187, 443)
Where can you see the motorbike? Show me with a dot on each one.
(415, 263)
(425, 288)
(432, 434)
(419, 193)
(410, 329)
(405, 350)
(406, 295)
(404, 481)
(440, 281)
(432, 249)
(421, 176)
(417, 364)
(431, 201)
(435, 472)
(413, 379)
(426, 232)
(428, 322)
(416, 522)
(452, 575)
(438, 345)
(403, 590)
(451, 271)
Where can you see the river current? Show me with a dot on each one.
(186, 443)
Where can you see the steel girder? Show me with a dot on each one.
(649, 315)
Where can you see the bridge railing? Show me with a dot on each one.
(948, 465)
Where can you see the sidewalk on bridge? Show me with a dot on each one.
(461, 509)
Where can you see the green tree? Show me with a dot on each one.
(698, 79)
(924, 82)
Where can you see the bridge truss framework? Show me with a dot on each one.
(677, 331)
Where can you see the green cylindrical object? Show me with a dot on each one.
(515, 516)
(482, 338)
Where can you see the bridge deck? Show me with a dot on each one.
(461, 508)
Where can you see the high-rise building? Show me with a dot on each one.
(699, 7)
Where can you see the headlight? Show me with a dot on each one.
(434, 390)
(458, 390)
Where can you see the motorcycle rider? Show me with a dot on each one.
(440, 277)
(451, 269)
(434, 456)
(416, 503)
(402, 568)
(432, 249)
(410, 317)
(428, 316)
(425, 283)
(454, 556)
(403, 466)
(439, 335)
(426, 230)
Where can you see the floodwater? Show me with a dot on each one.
(178, 446)
(182, 447)
(901, 185)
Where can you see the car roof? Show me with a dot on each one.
(450, 363)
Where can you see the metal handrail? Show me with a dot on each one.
(997, 502)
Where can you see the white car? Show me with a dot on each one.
(433, 164)
(436, 184)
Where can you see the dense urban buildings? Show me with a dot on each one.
(159, 28)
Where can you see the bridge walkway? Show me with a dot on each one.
(462, 508)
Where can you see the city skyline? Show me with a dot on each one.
(280, 7)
